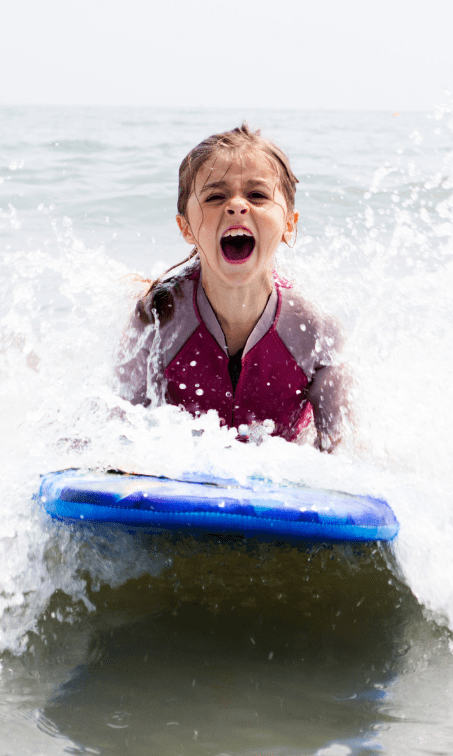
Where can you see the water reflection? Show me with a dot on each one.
(227, 651)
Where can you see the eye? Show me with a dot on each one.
(216, 197)
(257, 196)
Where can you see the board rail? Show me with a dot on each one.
(256, 510)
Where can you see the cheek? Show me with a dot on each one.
(205, 226)
(274, 228)
(195, 217)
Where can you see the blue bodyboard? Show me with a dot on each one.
(257, 510)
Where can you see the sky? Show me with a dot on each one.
(394, 55)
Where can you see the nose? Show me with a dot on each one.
(237, 206)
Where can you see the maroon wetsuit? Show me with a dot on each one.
(287, 372)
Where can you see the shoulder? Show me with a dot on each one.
(166, 298)
(169, 315)
(312, 338)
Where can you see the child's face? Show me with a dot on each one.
(237, 216)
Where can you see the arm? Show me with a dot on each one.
(328, 395)
(139, 363)
(328, 391)
(133, 357)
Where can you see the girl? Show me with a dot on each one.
(227, 333)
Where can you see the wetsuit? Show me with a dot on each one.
(175, 350)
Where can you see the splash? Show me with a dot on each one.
(387, 273)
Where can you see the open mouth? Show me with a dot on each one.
(237, 245)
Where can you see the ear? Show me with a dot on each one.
(185, 229)
(291, 223)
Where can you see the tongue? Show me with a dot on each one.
(237, 247)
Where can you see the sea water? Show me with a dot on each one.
(115, 643)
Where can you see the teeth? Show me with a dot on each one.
(237, 232)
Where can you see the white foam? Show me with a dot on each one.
(62, 314)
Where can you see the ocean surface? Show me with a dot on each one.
(117, 644)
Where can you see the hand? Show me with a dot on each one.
(326, 442)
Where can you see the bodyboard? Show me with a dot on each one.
(257, 510)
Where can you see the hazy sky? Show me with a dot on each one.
(354, 54)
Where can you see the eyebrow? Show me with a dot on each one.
(224, 184)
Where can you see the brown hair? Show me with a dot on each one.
(235, 141)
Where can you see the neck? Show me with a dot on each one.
(238, 308)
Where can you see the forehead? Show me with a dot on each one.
(245, 167)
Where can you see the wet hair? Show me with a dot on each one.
(233, 143)
(236, 141)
